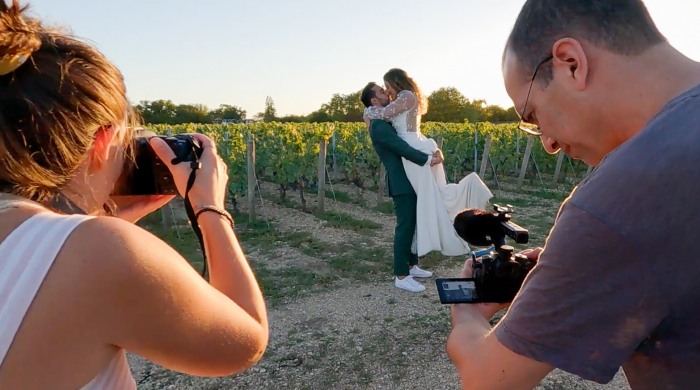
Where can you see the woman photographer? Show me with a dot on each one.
(79, 288)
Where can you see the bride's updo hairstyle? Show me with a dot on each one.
(399, 80)
(55, 94)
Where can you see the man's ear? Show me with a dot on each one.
(374, 101)
(99, 153)
(570, 61)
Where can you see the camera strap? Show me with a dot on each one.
(195, 165)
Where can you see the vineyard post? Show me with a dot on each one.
(485, 157)
(517, 148)
(380, 184)
(225, 146)
(476, 142)
(557, 170)
(321, 174)
(526, 160)
(251, 180)
(166, 214)
(333, 143)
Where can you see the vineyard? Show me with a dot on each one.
(336, 319)
(287, 154)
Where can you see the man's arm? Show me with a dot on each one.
(482, 362)
(383, 134)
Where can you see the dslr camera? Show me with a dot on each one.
(499, 272)
(146, 174)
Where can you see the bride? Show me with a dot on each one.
(438, 201)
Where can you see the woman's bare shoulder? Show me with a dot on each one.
(117, 249)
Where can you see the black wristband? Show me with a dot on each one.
(214, 209)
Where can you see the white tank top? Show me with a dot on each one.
(26, 256)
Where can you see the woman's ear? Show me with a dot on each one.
(101, 147)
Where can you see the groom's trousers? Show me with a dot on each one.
(405, 209)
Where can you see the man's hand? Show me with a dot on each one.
(480, 359)
(438, 158)
(532, 254)
(464, 312)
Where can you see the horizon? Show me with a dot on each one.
(302, 53)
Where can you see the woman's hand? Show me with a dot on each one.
(209, 187)
(134, 207)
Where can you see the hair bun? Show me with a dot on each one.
(19, 37)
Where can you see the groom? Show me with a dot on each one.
(390, 148)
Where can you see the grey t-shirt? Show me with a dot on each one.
(618, 282)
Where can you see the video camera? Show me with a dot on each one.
(498, 274)
(146, 174)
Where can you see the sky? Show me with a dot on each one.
(301, 52)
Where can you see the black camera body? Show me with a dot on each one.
(499, 274)
(147, 174)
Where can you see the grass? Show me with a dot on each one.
(385, 207)
(359, 260)
(342, 220)
(433, 259)
(356, 260)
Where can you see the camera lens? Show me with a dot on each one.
(445, 286)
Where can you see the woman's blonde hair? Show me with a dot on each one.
(399, 80)
(56, 92)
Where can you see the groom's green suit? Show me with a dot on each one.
(390, 148)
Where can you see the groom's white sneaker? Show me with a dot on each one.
(408, 284)
(420, 273)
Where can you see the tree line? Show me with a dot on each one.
(444, 105)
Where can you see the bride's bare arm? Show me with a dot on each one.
(405, 100)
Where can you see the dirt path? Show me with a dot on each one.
(371, 336)
(352, 334)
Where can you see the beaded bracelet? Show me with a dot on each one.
(214, 209)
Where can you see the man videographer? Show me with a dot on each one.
(597, 80)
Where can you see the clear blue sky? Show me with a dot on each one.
(301, 52)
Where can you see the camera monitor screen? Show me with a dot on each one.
(457, 291)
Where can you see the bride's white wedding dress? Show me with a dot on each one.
(438, 202)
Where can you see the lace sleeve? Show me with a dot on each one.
(405, 101)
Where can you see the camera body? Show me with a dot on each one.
(147, 174)
(498, 274)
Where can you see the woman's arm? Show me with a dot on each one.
(157, 306)
(161, 308)
(405, 101)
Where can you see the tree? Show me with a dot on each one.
(226, 111)
(344, 108)
(270, 114)
(498, 114)
(446, 105)
(158, 111)
(292, 119)
(318, 117)
(191, 113)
